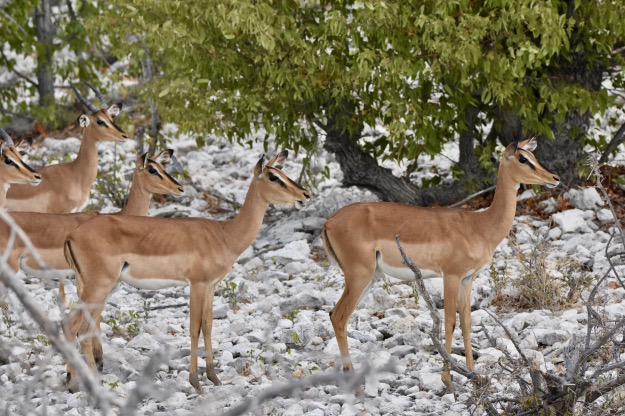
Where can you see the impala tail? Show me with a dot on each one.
(332, 257)
(70, 257)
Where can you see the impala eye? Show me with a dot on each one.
(152, 171)
(9, 161)
(101, 122)
(273, 178)
(522, 159)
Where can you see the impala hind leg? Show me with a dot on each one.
(207, 329)
(98, 354)
(196, 309)
(357, 279)
(83, 321)
(450, 298)
(77, 324)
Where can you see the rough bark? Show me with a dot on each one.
(45, 30)
(361, 169)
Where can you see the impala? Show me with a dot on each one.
(47, 232)
(13, 170)
(451, 243)
(154, 253)
(66, 186)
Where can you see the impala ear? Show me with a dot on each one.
(510, 150)
(115, 109)
(83, 120)
(3, 147)
(163, 157)
(258, 169)
(142, 161)
(278, 160)
(23, 146)
(529, 144)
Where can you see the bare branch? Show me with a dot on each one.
(470, 197)
(103, 399)
(437, 324)
(144, 384)
(348, 380)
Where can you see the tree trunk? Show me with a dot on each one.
(45, 31)
(361, 169)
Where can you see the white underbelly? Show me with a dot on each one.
(404, 273)
(150, 283)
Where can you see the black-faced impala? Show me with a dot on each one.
(451, 243)
(66, 186)
(13, 170)
(154, 253)
(47, 232)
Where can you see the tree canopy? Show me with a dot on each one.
(423, 73)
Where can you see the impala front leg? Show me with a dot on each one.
(196, 308)
(464, 310)
(207, 328)
(450, 288)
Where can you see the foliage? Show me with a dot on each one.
(245, 69)
(541, 283)
(124, 324)
(72, 53)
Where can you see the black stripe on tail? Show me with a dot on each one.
(70, 257)
(328, 246)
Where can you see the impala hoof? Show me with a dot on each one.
(212, 376)
(193, 379)
(72, 385)
(449, 387)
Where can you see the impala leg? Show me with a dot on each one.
(98, 354)
(207, 329)
(357, 279)
(450, 297)
(71, 326)
(80, 321)
(62, 296)
(196, 306)
(464, 310)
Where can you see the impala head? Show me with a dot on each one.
(274, 185)
(152, 173)
(100, 120)
(12, 168)
(525, 167)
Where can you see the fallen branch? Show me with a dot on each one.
(349, 380)
(103, 399)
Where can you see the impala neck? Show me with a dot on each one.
(4, 188)
(86, 162)
(138, 199)
(241, 231)
(497, 219)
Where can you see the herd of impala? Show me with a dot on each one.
(155, 253)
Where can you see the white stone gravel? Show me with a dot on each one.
(271, 323)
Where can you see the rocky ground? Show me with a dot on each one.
(271, 321)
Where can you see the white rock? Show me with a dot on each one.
(550, 336)
(144, 341)
(294, 410)
(586, 198)
(226, 357)
(295, 250)
(555, 233)
(571, 221)
(431, 382)
(448, 398)
(605, 215)
(246, 256)
(285, 323)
